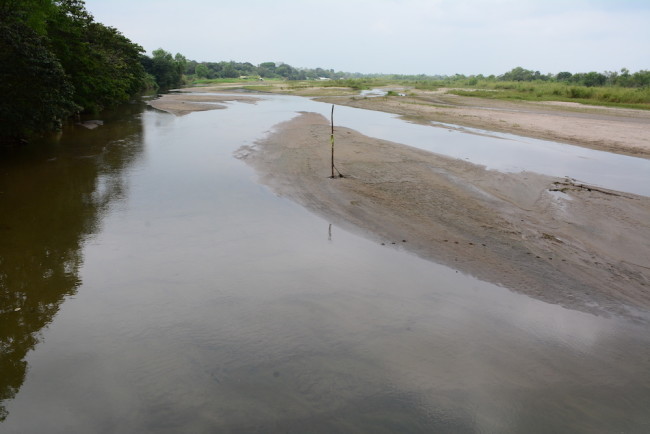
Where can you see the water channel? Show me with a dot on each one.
(149, 283)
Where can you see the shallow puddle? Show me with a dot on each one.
(161, 288)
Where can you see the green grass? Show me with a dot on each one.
(353, 83)
(259, 88)
(545, 91)
(427, 84)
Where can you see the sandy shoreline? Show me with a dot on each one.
(586, 249)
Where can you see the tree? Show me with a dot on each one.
(167, 70)
(55, 60)
(268, 65)
(591, 79)
(180, 62)
(32, 13)
(641, 78)
(36, 94)
(201, 70)
(103, 65)
(286, 71)
(519, 74)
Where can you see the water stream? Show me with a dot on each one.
(150, 284)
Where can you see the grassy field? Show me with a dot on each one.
(545, 91)
(529, 91)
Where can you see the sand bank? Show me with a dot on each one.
(580, 247)
(187, 102)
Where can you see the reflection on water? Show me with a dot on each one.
(204, 303)
(52, 195)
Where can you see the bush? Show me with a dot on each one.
(579, 92)
(36, 94)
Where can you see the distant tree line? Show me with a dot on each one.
(589, 79)
(623, 78)
(231, 69)
(56, 61)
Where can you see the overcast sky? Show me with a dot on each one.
(394, 36)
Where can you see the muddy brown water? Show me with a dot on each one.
(150, 284)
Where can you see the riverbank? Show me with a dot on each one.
(582, 247)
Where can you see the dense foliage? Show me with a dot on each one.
(102, 64)
(588, 79)
(36, 94)
(212, 70)
(165, 69)
(55, 60)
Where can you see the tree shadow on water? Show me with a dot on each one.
(53, 196)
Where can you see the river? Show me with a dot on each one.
(149, 283)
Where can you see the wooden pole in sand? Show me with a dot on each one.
(332, 140)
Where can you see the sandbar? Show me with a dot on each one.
(554, 239)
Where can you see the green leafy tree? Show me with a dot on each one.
(36, 94)
(32, 13)
(103, 65)
(201, 70)
(180, 62)
(229, 71)
(640, 79)
(55, 60)
(167, 69)
(591, 79)
(286, 71)
(518, 74)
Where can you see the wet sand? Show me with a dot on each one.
(187, 102)
(582, 247)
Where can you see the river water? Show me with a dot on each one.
(150, 284)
